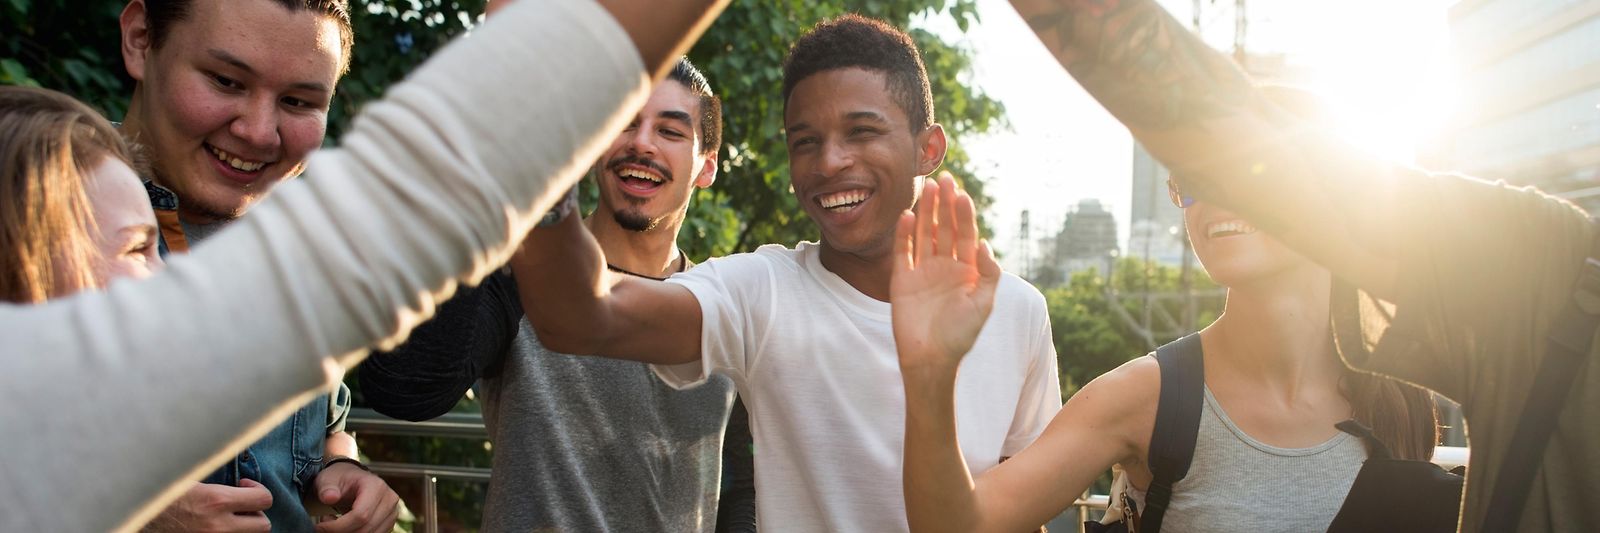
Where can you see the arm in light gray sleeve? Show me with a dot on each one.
(111, 402)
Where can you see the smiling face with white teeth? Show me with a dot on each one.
(653, 167)
(1232, 251)
(854, 160)
(232, 100)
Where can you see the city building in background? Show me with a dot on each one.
(1530, 95)
(1087, 239)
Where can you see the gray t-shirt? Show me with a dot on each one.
(581, 443)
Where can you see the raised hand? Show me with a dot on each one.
(944, 279)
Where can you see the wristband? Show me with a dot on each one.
(342, 459)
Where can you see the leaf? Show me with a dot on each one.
(12, 72)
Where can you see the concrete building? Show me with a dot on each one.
(1530, 86)
(1088, 236)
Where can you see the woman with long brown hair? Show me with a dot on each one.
(1266, 455)
(73, 214)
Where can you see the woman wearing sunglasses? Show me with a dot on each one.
(1267, 456)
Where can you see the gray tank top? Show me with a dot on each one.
(1237, 483)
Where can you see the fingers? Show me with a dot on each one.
(357, 519)
(348, 523)
(375, 509)
(927, 207)
(904, 230)
(945, 226)
(256, 521)
(386, 523)
(965, 222)
(249, 496)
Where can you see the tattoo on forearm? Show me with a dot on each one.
(1147, 69)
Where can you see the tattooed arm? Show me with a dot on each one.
(1194, 110)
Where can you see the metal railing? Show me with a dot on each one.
(451, 425)
(470, 426)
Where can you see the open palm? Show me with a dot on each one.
(944, 278)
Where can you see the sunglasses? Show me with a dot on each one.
(1176, 195)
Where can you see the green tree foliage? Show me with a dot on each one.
(1091, 338)
(66, 45)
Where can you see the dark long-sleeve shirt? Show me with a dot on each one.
(581, 443)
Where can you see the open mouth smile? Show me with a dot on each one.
(1228, 228)
(235, 162)
(844, 201)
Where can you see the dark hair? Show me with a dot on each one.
(856, 41)
(710, 106)
(49, 145)
(162, 14)
(1400, 414)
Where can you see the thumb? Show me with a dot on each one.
(329, 489)
(988, 267)
(329, 495)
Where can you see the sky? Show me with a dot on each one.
(1383, 64)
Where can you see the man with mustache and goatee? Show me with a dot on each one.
(586, 443)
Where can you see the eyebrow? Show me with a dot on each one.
(149, 231)
(854, 115)
(867, 115)
(681, 116)
(237, 63)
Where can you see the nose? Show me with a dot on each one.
(835, 158)
(640, 142)
(257, 124)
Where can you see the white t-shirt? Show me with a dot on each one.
(814, 361)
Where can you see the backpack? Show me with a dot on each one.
(1387, 495)
(1172, 442)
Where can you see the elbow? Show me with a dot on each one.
(564, 340)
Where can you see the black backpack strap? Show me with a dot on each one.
(1567, 347)
(1183, 380)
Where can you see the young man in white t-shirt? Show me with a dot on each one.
(805, 333)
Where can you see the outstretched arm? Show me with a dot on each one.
(577, 306)
(942, 292)
(1201, 116)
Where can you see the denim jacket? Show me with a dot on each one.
(288, 458)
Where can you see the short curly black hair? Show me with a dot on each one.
(855, 41)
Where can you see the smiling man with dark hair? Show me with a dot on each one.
(804, 332)
(583, 443)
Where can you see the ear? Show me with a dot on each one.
(708, 171)
(931, 146)
(135, 39)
